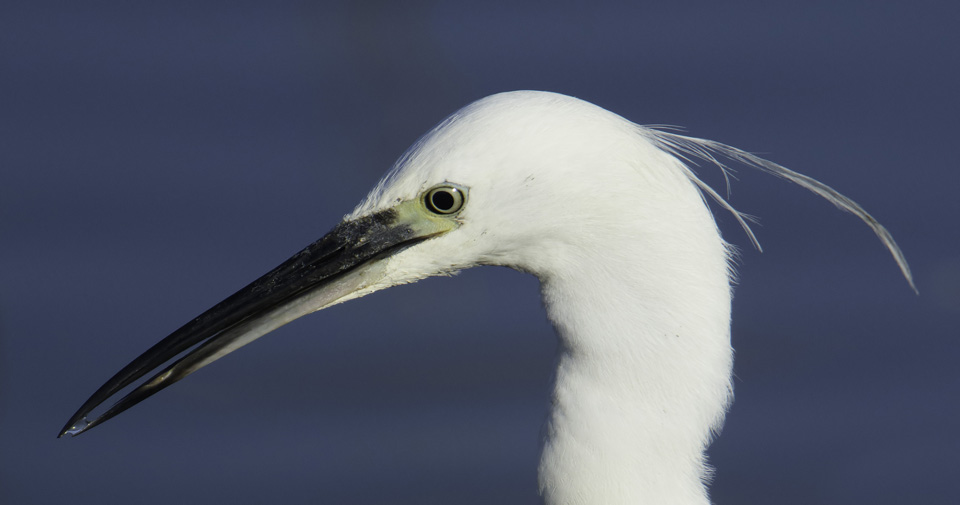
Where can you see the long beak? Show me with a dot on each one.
(338, 265)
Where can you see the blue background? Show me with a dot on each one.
(155, 157)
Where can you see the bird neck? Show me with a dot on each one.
(643, 375)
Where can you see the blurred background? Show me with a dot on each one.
(155, 157)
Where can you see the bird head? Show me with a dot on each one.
(535, 181)
(499, 182)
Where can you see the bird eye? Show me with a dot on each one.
(444, 199)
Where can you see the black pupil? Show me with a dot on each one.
(442, 200)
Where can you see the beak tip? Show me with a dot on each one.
(75, 428)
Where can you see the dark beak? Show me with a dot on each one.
(332, 268)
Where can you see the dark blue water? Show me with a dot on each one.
(155, 158)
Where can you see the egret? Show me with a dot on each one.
(635, 278)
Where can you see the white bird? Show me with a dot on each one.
(634, 275)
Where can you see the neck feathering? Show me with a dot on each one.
(643, 377)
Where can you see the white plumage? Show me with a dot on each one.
(635, 278)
